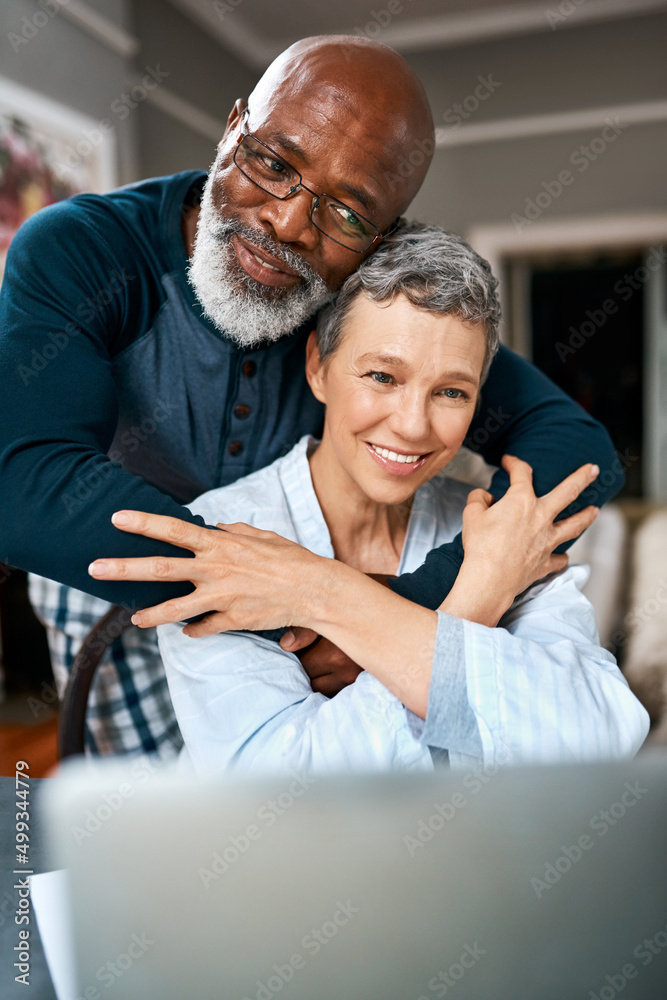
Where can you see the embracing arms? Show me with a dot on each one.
(59, 412)
(537, 688)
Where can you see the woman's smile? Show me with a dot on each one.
(398, 463)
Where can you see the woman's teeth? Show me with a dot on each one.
(394, 456)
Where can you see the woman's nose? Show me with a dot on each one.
(410, 419)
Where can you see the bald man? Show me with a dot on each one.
(152, 348)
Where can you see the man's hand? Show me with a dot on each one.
(329, 669)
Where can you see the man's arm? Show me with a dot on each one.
(64, 298)
(523, 413)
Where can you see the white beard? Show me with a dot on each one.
(245, 310)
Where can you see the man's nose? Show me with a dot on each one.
(289, 219)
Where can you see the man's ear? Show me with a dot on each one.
(234, 117)
(315, 368)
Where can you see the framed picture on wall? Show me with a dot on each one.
(47, 152)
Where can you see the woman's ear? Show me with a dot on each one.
(315, 368)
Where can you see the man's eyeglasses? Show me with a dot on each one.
(270, 172)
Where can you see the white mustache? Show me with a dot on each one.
(224, 229)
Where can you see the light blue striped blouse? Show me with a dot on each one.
(538, 688)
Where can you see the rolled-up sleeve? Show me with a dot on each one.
(538, 688)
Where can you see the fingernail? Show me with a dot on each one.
(288, 639)
(596, 511)
(120, 517)
(98, 569)
(595, 471)
(136, 619)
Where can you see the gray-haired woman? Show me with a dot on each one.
(398, 359)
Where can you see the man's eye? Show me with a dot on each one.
(348, 219)
(273, 166)
(266, 164)
(381, 377)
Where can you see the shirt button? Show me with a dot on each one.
(249, 368)
(241, 411)
(235, 448)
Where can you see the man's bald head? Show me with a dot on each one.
(331, 147)
(365, 84)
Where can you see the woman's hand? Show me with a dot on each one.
(509, 544)
(251, 579)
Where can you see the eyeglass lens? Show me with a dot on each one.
(271, 173)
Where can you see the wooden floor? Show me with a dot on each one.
(36, 744)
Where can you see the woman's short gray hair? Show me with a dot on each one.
(434, 270)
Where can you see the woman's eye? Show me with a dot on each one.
(454, 394)
(381, 377)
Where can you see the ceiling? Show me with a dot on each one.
(257, 30)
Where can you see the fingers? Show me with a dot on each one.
(145, 568)
(211, 625)
(177, 610)
(297, 638)
(480, 498)
(565, 493)
(519, 471)
(240, 528)
(165, 529)
(572, 527)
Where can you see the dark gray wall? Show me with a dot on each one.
(598, 65)
(200, 71)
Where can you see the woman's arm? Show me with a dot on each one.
(242, 702)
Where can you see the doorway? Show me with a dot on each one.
(587, 322)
